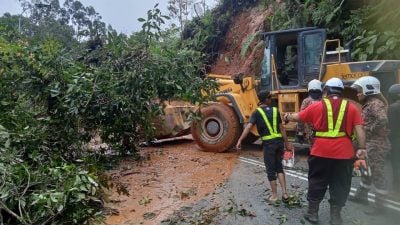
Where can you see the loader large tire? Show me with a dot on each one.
(218, 130)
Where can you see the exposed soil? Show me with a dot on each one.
(230, 61)
(174, 175)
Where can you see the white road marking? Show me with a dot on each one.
(303, 176)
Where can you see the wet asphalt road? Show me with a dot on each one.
(242, 200)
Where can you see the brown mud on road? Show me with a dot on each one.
(174, 175)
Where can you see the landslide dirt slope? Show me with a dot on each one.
(230, 61)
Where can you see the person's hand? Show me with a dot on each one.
(361, 153)
(286, 117)
(238, 146)
(289, 147)
(360, 163)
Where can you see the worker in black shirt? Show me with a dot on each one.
(269, 125)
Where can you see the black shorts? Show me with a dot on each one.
(273, 155)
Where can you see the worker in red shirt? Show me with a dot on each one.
(331, 158)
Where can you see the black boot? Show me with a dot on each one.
(361, 196)
(312, 213)
(336, 217)
(378, 208)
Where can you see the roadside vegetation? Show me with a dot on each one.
(66, 77)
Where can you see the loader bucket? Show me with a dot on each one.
(174, 122)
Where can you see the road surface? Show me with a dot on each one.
(243, 200)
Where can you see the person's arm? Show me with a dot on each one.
(361, 151)
(291, 117)
(243, 136)
(304, 115)
(301, 126)
(285, 138)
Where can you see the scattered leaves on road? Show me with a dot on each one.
(145, 200)
(149, 215)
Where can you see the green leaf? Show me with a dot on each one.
(370, 49)
(80, 196)
(363, 57)
(367, 39)
(92, 181)
(78, 180)
(53, 198)
(392, 42)
(141, 19)
(8, 143)
(381, 50)
(247, 44)
(60, 208)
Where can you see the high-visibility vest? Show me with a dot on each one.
(333, 132)
(273, 133)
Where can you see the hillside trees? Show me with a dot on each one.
(180, 9)
(374, 30)
(57, 95)
(69, 23)
(288, 14)
(369, 23)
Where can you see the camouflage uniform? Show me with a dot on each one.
(306, 129)
(377, 142)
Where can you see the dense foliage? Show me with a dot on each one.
(369, 24)
(60, 89)
(374, 29)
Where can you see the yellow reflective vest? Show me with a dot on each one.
(273, 130)
(333, 131)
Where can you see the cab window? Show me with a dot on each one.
(311, 49)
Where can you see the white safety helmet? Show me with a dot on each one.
(335, 83)
(315, 85)
(369, 85)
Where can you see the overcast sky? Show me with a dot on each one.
(121, 14)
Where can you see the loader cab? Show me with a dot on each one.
(292, 58)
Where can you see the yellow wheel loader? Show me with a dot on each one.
(317, 58)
